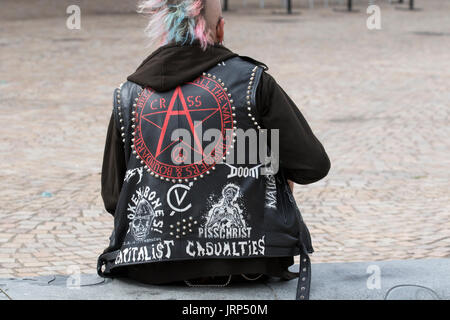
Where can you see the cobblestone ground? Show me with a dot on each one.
(379, 101)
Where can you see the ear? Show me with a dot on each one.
(220, 31)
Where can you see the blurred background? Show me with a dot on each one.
(378, 99)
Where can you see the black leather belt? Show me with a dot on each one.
(304, 277)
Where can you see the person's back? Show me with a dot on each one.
(193, 191)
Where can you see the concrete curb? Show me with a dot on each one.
(330, 281)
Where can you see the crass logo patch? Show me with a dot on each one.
(196, 107)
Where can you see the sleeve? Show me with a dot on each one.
(302, 156)
(113, 168)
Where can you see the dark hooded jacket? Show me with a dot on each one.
(302, 157)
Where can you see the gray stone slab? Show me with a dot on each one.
(356, 280)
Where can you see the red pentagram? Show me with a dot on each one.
(203, 102)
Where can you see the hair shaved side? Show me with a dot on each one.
(176, 21)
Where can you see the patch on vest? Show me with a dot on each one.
(146, 217)
(225, 219)
(195, 107)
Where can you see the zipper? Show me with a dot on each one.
(284, 205)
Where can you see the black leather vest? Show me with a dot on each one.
(169, 210)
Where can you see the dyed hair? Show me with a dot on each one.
(176, 21)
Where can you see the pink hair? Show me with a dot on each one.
(176, 21)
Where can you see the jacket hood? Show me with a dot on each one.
(172, 65)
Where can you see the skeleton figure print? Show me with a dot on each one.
(226, 214)
(141, 224)
(225, 220)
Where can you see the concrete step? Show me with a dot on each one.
(404, 279)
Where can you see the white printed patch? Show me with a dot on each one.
(132, 172)
(176, 198)
(271, 192)
(145, 215)
(158, 251)
(226, 248)
(243, 172)
(225, 219)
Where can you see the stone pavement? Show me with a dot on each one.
(378, 100)
(405, 280)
